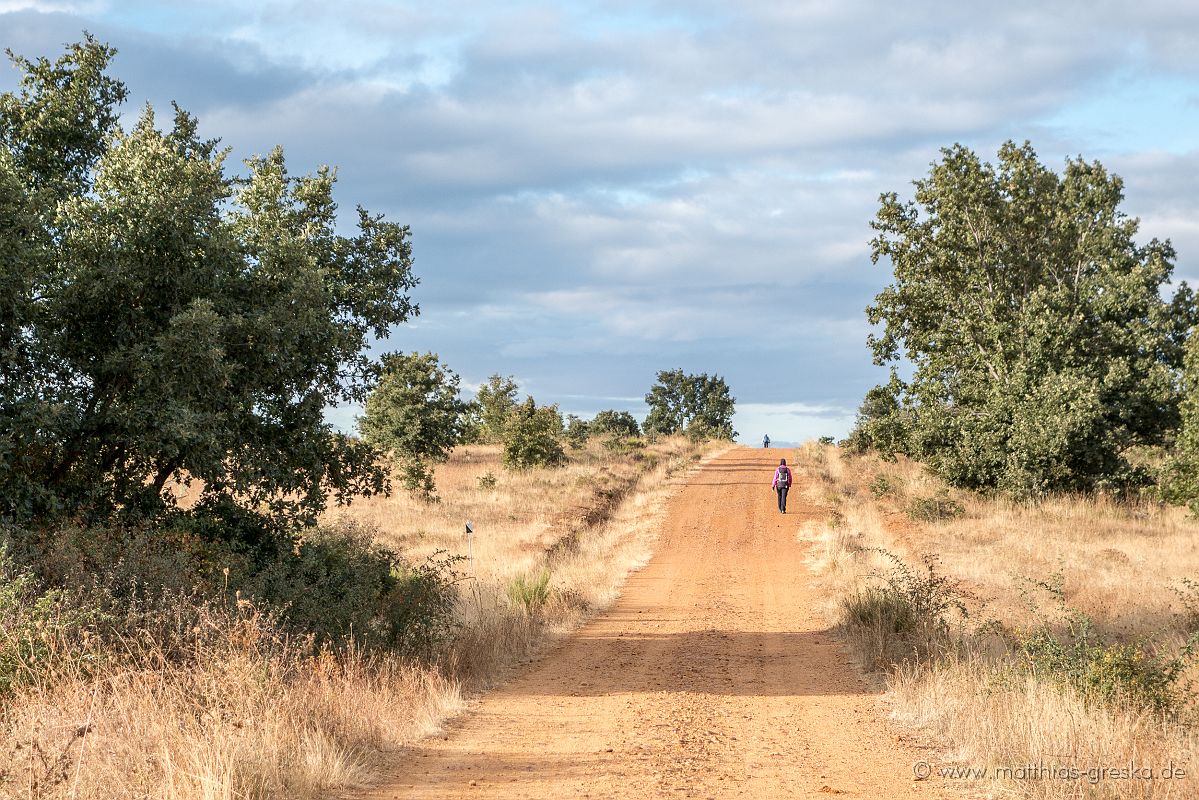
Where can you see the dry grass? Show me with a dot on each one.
(587, 524)
(1122, 564)
(251, 715)
(254, 715)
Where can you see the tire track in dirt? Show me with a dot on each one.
(710, 677)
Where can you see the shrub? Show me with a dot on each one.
(36, 626)
(417, 612)
(338, 584)
(882, 485)
(623, 444)
(533, 437)
(880, 607)
(907, 612)
(487, 481)
(416, 415)
(935, 509)
(577, 431)
(529, 592)
(1100, 670)
(417, 477)
(617, 423)
(882, 423)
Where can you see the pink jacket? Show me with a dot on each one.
(774, 484)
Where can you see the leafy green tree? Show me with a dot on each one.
(533, 437)
(1180, 478)
(577, 431)
(615, 423)
(699, 404)
(160, 319)
(415, 413)
(883, 422)
(496, 401)
(1041, 343)
(472, 423)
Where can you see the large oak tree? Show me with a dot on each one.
(1042, 346)
(161, 318)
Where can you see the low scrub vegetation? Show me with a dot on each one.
(1060, 632)
(165, 663)
(934, 509)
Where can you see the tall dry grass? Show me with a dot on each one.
(246, 712)
(1123, 563)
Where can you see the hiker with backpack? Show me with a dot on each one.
(781, 483)
(766, 440)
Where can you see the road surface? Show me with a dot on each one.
(711, 677)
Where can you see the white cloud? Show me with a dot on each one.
(52, 6)
(642, 185)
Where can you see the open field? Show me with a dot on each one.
(209, 700)
(716, 671)
(1124, 565)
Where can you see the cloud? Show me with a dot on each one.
(599, 191)
(50, 6)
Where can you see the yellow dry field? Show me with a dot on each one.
(579, 529)
(255, 715)
(1124, 564)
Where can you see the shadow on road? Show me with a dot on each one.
(718, 662)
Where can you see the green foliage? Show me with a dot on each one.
(333, 585)
(937, 508)
(827, 440)
(487, 481)
(879, 608)
(415, 414)
(577, 431)
(533, 437)
(1188, 598)
(36, 626)
(55, 127)
(159, 318)
(338, 584)
(882, 485)
(529, 592)
(883, 422)
(1180, 479)
(619, 428)
(616, 423)
(417, 477)
(417, 611)
(907, 612)
(1042, 346)
(623, 444)
(697, 405)
(472, 423)
(931, 595)
(496, 402)
(1101, 670)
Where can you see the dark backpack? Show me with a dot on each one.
(784, 475)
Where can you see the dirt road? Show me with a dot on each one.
(710, 677)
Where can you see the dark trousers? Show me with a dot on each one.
(782, 490)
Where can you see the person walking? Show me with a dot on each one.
(781, 483)
(766, 440)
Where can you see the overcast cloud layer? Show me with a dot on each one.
(601, 190)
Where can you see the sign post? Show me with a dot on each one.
(470, 546)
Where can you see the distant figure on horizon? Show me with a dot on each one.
(781, 483)
(766, 440)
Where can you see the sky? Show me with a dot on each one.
(601, 190)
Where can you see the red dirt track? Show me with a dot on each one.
(711, 677)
